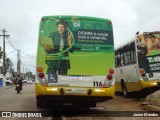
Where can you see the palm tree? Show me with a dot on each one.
(9, 64)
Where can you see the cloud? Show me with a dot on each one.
(21, 19)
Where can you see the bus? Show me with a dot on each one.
(75, 61)
(138, 64)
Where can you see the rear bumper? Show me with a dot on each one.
(60, 94)
(150, 84)
(138, 86)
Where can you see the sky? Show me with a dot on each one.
(21, 19)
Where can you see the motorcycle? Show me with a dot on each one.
(18, 87)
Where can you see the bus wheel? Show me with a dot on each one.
(124, 89)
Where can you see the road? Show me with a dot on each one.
(26, 101)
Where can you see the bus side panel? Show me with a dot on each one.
(130, 76)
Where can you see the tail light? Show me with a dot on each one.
(39, 69)
(109, 77)
(111, 71)
(41, 75)
(142, 72)
(40, 72)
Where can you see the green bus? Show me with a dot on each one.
(75, 61)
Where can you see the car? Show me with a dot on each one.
(24, 81)
(29, 81)
(9, 80)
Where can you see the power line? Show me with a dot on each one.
(28, 64)
(21, 51)
(19, 56)
(9, 52)
(11, 45)
(29, 55)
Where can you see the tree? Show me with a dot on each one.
(1, 53)
(8, 63)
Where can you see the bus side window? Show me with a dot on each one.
(118, 58)
(122, 59)
(126, 53)
(132, 52)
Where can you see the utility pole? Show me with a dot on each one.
(4, 65)
(18, 61)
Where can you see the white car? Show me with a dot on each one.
(24, 81)
(8, 80)
(29, 81)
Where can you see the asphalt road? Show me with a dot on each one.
(26, 101)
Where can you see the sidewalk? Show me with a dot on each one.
(152, 102)
(2, 89)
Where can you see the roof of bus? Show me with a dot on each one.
(87, 18)
(154, 32)
(126, 43)
(133, 39)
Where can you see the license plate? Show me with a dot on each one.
(76, 90)
(75, 77)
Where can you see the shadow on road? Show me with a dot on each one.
(136, 95)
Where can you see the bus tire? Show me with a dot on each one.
(124, 89)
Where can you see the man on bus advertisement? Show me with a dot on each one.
(148, 48)
(61, 40)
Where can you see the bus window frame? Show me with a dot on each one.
(126, 55)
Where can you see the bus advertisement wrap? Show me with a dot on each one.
(83, 47)
(154, 63)
(148, 48)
